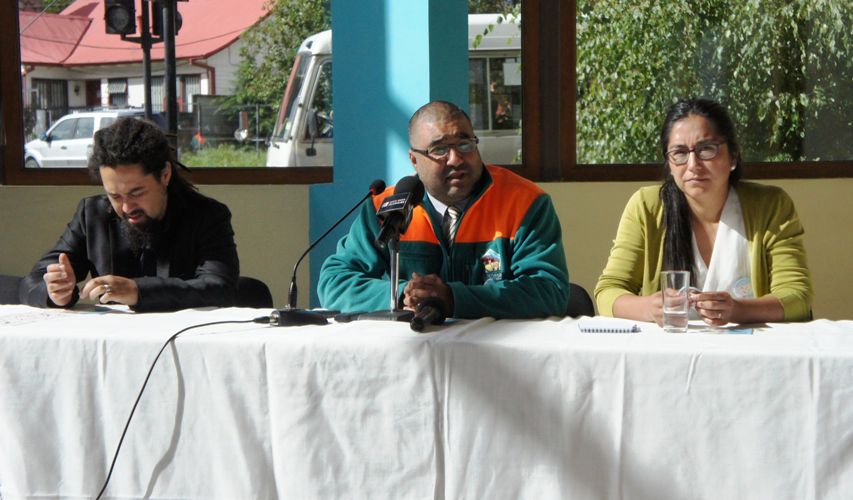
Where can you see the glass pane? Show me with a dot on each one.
(85, 128)
(291, 94)
(505, 93)
(252, 81)
(478, 98)
(781, 68)
(158, 94)
(192, 86)
(63, 130)
(494, 81)
(322, 103)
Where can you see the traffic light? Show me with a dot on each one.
(120, 16)
(157, 19)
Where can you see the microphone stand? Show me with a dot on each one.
(291, 315)
(393, 313)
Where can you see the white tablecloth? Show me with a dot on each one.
(476, 409)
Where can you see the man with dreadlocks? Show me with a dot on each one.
(152, 242)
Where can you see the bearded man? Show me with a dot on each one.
(151, 242)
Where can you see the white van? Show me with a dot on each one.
(303, 134)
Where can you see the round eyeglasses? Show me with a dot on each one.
(705, 151)
(441, 151)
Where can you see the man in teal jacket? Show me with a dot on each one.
(501, 256)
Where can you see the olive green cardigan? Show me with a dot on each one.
(773, 231)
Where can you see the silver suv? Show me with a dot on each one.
(68, 143)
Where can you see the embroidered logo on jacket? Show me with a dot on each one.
(492, 265)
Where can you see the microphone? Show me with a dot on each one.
(395, 212)
(291, 316)
(429, 312)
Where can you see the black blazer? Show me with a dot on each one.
(196, 261)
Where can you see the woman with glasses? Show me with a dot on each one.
(741, 241)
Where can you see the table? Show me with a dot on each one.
(476, 409)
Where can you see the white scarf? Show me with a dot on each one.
(729, 269)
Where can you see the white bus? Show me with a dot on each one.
(304, 129)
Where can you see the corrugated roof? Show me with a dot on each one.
(50, 38)
(208, 27)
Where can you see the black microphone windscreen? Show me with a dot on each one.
(377, 187)
(411, 184)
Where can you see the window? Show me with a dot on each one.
(64, 130)
(322, 102)
(85, 128)
(495, 93)
(117, 90)
(158, 94)
(190, 85)
(598, 119)
(48, 102)
(49, 94)
(13, 121)
(494, 99)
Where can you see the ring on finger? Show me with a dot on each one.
(107, 289)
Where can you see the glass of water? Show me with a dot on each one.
(674, 286)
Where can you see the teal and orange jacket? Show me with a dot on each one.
(507, 260)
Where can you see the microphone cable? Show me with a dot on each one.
(260, 319)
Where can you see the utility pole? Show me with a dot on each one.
(170, 79)
(146, 41)
(163, 14)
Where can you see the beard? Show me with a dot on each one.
(142, 235)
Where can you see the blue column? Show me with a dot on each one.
(389, 58)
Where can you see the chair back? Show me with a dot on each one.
(580, 303)
(9, 289)
(252, 292)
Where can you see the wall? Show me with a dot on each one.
(271, 223)
(389, 58)
(824, 205)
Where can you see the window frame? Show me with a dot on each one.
(12, 171)
(548, 43)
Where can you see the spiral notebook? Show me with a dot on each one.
(607, 325)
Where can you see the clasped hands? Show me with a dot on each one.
(61, 283)
(714, 308)
(421, 288)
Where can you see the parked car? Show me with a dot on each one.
(68, 143)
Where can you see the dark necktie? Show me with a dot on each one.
(450, 223)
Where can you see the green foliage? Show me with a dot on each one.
(225, 155)
(493, 6)
(782, 67)
(269, 51)
(57, 6)
(510, 11)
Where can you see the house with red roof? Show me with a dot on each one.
(69, 61)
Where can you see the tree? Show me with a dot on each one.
(57, 6)
(781, 67)
(492, 6)
(269, 51)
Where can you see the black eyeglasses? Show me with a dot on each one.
(704, 151)
(441, 151)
